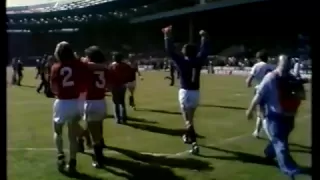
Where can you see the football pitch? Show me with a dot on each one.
(150, 146)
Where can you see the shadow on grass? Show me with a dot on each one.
(299, 148)
(223, 107)
(301, 151)
(145, 167)
(79, 176)
(186, 163)
(247, 158)
(159, 111)
(160, 130)
(141, 120)
(139, 171)
(135, 119)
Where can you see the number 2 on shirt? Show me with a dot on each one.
(66, 73)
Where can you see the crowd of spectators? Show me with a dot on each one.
(55, 6)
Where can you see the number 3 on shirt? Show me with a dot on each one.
(66, 72)
(101, 83)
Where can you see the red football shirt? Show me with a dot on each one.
(120, 74)
(96, 84)
(69, 79)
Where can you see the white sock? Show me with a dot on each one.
(258, 125)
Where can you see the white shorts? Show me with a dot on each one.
(189, 98)
(131, 85)
(95, 110)
(65, 111)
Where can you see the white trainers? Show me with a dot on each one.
(256, 134)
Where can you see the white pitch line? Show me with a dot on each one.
(182, 153)
(88, 151)
(232, 139)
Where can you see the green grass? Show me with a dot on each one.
(228, 151)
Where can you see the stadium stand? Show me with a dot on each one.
(194, 9)
(122, 25)
(84, 11)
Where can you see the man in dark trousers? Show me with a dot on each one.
(47, 72)
(38, 68)
(45, 68)
(43, 80)
(121, 74)
(172, 71)
(19, 69)
(14, 71)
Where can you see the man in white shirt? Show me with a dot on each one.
(281, 94)
(296, 68)
(258, 71)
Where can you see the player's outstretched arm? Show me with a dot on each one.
(95, 66)
(168, 43)
(204, 46)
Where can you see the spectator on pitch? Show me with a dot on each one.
(46, 71)
(38, 68)
(43, 79)
(172, 70)
(280, 93)
(14, 71)
(19, 70)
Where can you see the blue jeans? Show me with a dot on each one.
(118, 98)
(278, 130)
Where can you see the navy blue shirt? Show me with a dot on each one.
(189, 69)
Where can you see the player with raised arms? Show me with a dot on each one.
(257, 73)
(189, 65)
(68, 80)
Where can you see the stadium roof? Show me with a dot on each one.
(42, 6)
(194, 9)
(17, 3)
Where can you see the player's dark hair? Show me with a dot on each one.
(262, 55)
(64, 52)
(117, 57)
(51, 59)
(95, 54)
(190, 50)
